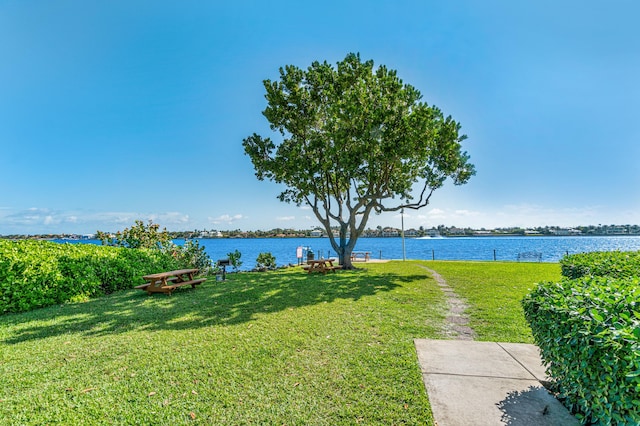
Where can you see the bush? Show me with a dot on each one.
(35, 274)
(234, 259)
(615, 264)
(588, 331)
(138, 236)
(149, 236)
(266, 261)
(193, 255)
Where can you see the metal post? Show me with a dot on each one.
(404, 253)
(494, 255)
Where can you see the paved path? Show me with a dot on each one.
(487, 383)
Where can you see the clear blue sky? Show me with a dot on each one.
(112, 111)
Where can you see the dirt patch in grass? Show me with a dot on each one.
(456, 326)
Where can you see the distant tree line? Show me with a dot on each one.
(442, 230)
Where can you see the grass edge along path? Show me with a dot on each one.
(274, 348)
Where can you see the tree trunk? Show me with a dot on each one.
(344, 254)
(345, 259)
(343, 247)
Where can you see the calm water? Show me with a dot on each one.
(459, 248)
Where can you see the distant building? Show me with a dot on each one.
(617, 230)
(411, 233)
(316, 233)
(456, 231)
(210, 234)
(566, 231)
(390, 232)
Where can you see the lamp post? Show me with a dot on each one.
(404, 252)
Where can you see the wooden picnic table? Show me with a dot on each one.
(166, 282)
(320, 265)
(363, 255)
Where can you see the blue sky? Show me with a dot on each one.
(112, 111)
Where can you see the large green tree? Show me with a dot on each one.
(355, 140)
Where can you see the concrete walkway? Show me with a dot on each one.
(487, 383)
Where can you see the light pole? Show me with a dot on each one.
(404, 252)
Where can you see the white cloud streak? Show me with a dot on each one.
(226, 219)
(45, 221)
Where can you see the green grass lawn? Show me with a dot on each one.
(272, 348)
(494, 291)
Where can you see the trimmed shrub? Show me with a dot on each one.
(35, 274)
(588, 331)
(617, 264)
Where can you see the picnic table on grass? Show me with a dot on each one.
(360, 255)
(166, 282)
(320, 265)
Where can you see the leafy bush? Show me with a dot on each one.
(266, 261)
(615, 264)
(138, 236)
(193, 255)
(190, 255)
(234, 259)
(36, 274)
(588, 331)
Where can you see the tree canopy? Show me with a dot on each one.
(355, 140)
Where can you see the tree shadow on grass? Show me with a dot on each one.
(237, 300)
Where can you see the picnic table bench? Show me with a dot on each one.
(166, 282)
(362, 255)
(320, 265)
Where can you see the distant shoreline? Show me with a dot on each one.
(66, 238)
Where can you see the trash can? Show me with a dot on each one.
(309, 255)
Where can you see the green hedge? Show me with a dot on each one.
(588, 331)
(35, 274)
(617, 264)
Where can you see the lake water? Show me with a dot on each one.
(459, 248)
